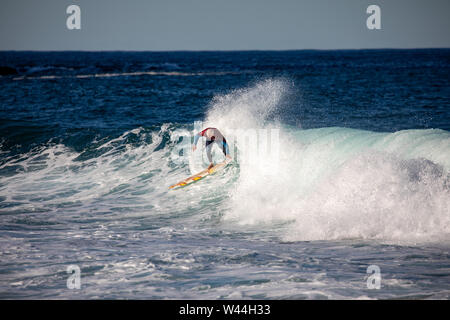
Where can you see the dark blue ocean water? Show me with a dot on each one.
(90, 141)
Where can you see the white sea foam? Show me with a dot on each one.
(338, 183)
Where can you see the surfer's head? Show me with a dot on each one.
(213, 138)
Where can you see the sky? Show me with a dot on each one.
(166, 25)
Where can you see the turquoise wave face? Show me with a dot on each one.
(339, 183)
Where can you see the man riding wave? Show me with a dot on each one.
(212, 135)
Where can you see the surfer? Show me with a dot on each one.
(212, 135)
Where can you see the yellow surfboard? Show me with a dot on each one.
(200, 175)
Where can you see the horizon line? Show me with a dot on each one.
(225, 50)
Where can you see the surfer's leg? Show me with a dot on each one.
(209, 144)
(224, 145)
(225, 149)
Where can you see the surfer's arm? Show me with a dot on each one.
(196, 137)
